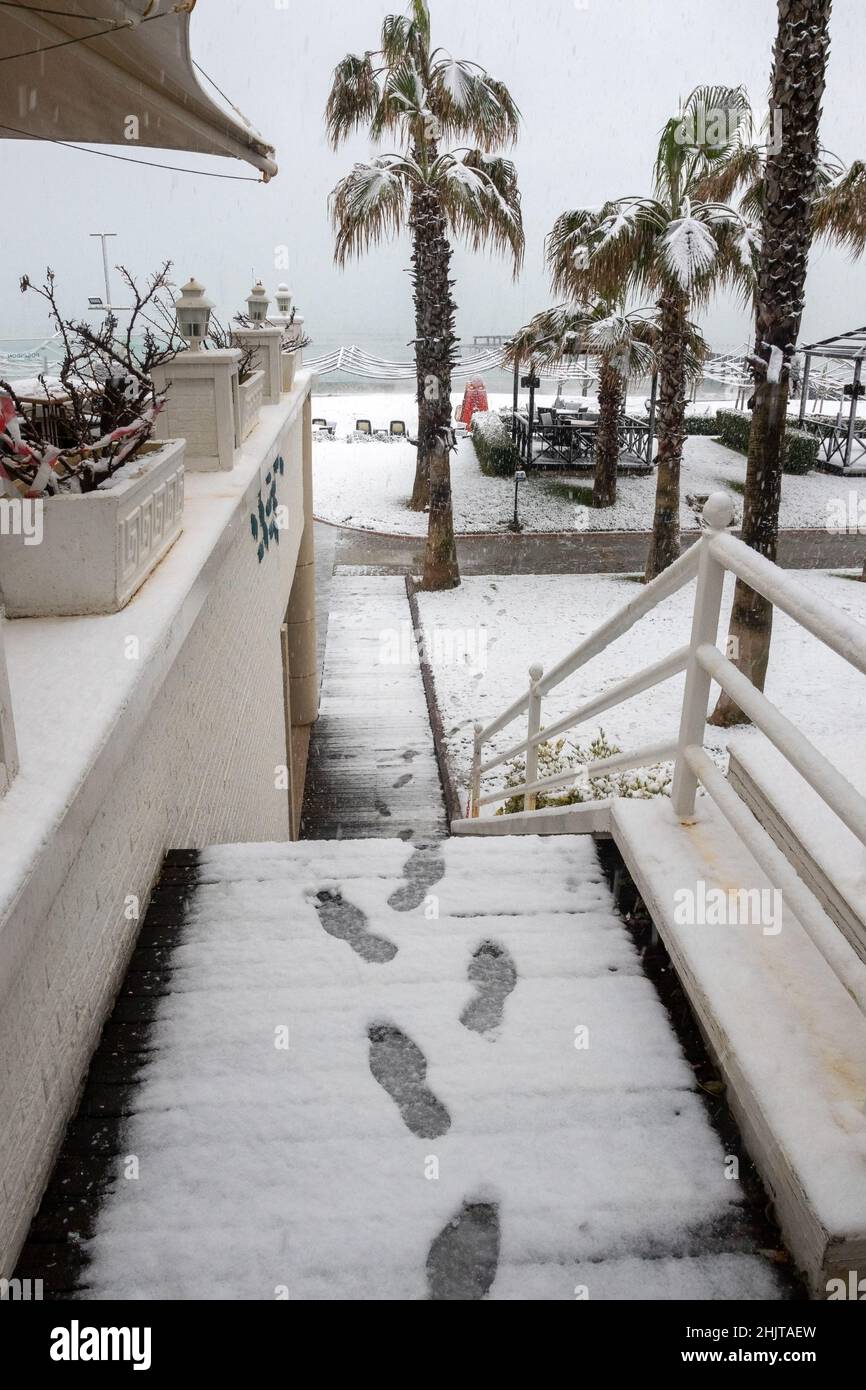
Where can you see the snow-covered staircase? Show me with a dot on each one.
(389, 1072)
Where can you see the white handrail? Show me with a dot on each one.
(830, 625)
(668, 582)
(817, 770)
(617, 695)
(715, 554)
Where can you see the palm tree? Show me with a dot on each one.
(421, 96)
(462, 192)
(675, 247)
(625, 345)
(797, 194)
(621, 342)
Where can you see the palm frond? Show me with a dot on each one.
(740, 169)
(688, 248)
(481, 201)
(353, 98)
(840, 210)
(396, 39)
(472, 105)
(370, 204)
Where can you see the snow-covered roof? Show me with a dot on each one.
(138, 62)
(849, 346)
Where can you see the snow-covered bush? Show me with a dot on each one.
(801, 451)
(496, 451)
(702, 424)
(563, 756)
(801, 447)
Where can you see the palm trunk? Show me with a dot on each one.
(610, 391)
(440, 558)
(799, 71)
(434, 355)
(665, 543)
(420, 498)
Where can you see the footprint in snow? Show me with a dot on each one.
(400, 1068)
(464, 1256)
(421, 870)
(348, 923)
(494, 974)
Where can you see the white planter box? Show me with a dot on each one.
(265, 343)
(97, 548)
(251, 394)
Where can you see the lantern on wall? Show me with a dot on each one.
(193, 314)
(257, 303)
(284, 300)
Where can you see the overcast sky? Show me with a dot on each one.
(595, 80)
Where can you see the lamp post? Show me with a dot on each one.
(519, 477)
(193, 314)
(257, 303)
(532, 381)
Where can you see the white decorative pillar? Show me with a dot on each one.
(265, 343)
(201, 390)
(8, 742)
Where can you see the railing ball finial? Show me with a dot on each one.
(718, 511)
(536, 671)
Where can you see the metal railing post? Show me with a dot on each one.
(534, 724)
(718, 514)
(475, 779)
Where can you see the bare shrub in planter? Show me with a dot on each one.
(104, 412)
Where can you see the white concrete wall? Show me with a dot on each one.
(190, 762)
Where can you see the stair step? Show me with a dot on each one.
(788, 1038)
(825, 853)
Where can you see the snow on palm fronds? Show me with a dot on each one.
(456, 79)
(369, 204)
(481, 200)
(615, 340)
(689, 248)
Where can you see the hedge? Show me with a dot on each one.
(702, 424)
(801, 448)
(496, 451)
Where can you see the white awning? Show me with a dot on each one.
(141, 67)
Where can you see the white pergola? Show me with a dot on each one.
(80, 79)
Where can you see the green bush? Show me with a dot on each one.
(496, 451)
(801, 448)
(801, 451)
(702, 424)
(734, 427)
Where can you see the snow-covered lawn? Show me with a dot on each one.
(507, 622)
(367, 483)
(370, 1102)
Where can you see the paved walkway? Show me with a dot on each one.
(384, 1073)
(372, 767)
(598, 552)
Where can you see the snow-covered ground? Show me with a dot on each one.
(367, 483)
(515, 620)
(351, 1096)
